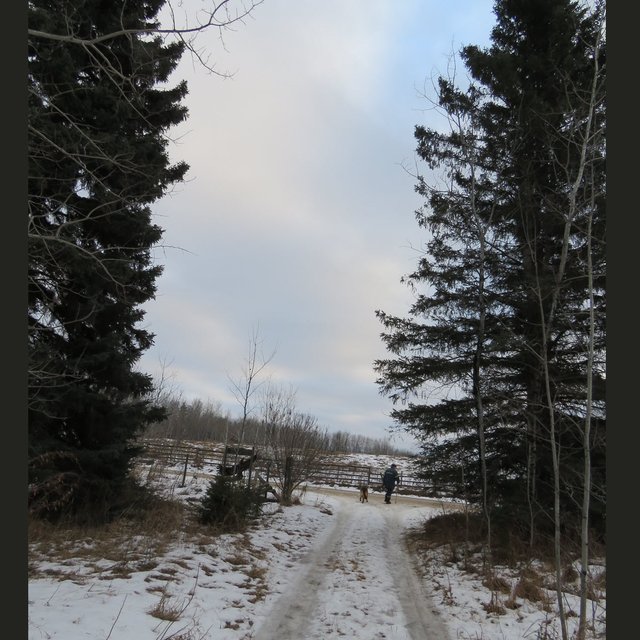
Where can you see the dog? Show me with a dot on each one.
(364, 493)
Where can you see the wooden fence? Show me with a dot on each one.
(208, 454)
(170, 452)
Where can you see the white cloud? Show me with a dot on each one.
(297, 213)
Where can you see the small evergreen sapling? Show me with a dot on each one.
(230, 504)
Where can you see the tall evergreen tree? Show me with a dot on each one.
(546, 116)
(500, 318)
(97, 149)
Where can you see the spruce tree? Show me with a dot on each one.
(500, 317)
(98, 159)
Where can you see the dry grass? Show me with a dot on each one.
(256, 583)
(494, 606)
(530, 589)
(570, 574)
(457, 540)
(123, 546)
(165, 610)
(496, 583)
(256, 573)
(134, 543)
(600, 581)
(137, 541)
(237, 560)
(456, 527)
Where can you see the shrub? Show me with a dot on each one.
(229, 504)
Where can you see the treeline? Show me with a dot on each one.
(206, 421)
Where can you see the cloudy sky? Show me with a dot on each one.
(297, 216)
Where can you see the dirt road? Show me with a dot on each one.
(359, 581)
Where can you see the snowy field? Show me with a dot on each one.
(329, 567)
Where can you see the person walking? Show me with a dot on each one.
(390, 479)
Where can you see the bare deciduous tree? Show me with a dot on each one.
(583, 139)
(245, 387)
(294, 441)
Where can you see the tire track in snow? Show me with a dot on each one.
(337, 592)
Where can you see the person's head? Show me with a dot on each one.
(393, 466)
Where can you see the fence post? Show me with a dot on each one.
(288, 480)
(184, 473)
(253, 449)
(266, 480)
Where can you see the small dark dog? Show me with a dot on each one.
(364, 493)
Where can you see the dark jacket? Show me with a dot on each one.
(390, 478)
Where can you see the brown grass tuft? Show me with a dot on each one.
(166, 611)
(529, 589)
(570, 574)
(256, 573)
(494, 606)
(496, 583)
(237, 560)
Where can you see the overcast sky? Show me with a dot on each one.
(297, 215)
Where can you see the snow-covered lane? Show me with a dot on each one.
(359, 576)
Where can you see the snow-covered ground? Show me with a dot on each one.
(329, 567)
